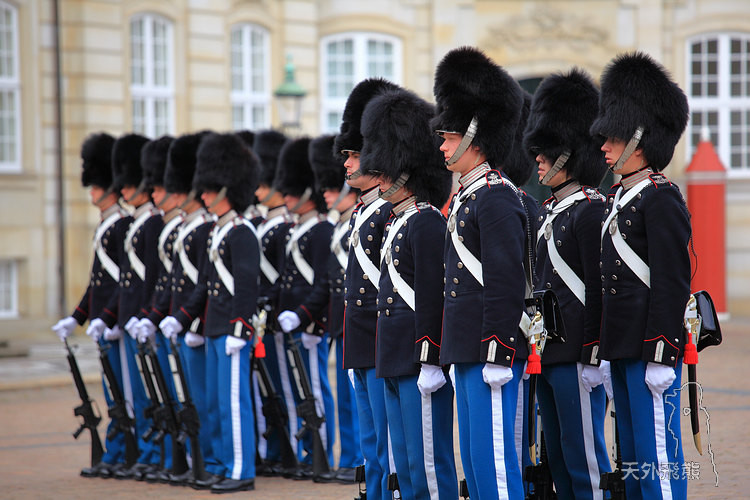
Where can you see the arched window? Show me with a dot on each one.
(250, 76)
(10, 91)
(151, 75)
(348, 58)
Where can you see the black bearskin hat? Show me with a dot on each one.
(350, 135)
(295, 173)
(563, 109)
(247, 136)
(638, 91)
(267, 145)
(126, 161)
(518, 166)
(178, 177)
(154, 160)
(96, 156)
(328, 169)
(398, 139)
(223, 160)
(468, 84)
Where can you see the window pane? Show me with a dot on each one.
(8, 288)
(238, 122)
(7, 43)
(8, 126)
(136, 52)
(139, 115)
(236, 60)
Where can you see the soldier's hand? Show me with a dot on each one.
(146, 330)
(65, 327)
(431, 378)
(496, 376)
(114, 333)
(170, 327)
(96, 329)
(590, 377)
(606, 372)
(192, 339)
(659, 377)
(288, 321)
(309, 341)
(350, 372)
(131, 327)
(234, 345)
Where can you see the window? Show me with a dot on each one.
(719, 95)
(151, 75)
(347, 59)
(250, 75)
(10, 91)
(8, 289)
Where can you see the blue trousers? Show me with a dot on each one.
(522, 428)
(421, 430)
(487, 434)
(149, 451)
(650, 438)
(231, 423)
(373, 424)
(346, 406)
(114, 449)
(573, 424)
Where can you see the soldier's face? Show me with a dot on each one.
(613, 148)
(262, 192)
(331, 195)
(470, 159)
(544, 166)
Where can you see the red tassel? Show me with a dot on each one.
(691, 352)
(534, 362)
(260, 350)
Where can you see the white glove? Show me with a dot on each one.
(234, 345)
(170, 327)
(606, 372)
(288, 321)
(96, 329)
(496, 376)
(431, 378)
(65, 327)
(659, 377)
(131, 327)
(114, 333)
(350, 372)
(192, 339)
(146, 330)
(590, 377)
(310, 341)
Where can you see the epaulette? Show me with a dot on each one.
(423, 205)
(548, 200)
(494, 178)
(592, 193)
(659, 178)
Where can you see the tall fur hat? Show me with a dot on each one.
(154, 156)
(181, 160)
(328, 169)
(518, 166)
(638, 91)
(247, 136)
(469, 84)
(563, 109)
(350, 135)
(223, 160)
(267, 145)
(398, 139)
(126, 161)
(295, 174)
(96, 164)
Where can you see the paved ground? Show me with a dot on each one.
(40, 459)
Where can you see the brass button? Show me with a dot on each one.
(453, 293)
(359, 302)
(455, 280)
(460, 265)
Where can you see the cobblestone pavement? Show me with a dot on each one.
(40, 459)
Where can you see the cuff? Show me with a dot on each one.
(590, 354)
(660, 350)
(494, 351)
(426, 351)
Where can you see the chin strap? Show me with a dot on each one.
(303, 199)
(219, 197)
(141, 187)
(104, 195)
(163, 201)
(396, 186)
(559, 164)
(354, 175)
(471, 131)
(267, 198)
(342, 194)
(629, 148)
(190, 198)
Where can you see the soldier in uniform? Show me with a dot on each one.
(96, 156)
(303, 296)
(571, 398)
(399, 146)
(361, 290)
(340, 200)
(645, 269)
(479, 107)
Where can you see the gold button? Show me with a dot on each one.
(359, 302)
(455, 280)
(453, 293)
(460, 265)
(362, 290)
(507, 358)
(389, 300)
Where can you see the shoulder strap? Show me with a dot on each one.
(368, 268)
(190, 270)
(107, 263)
(166, 259)
(213, 254)
(402, 287)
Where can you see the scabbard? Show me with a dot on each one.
(531, 410)
(694, 410)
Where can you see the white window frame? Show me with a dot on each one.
(11, 85)
(329, 104)
(8, 288)
(248, 98)
(148, 92)
(723, 103)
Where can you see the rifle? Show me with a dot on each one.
(614, 481)
(118, 412)
(189, 421)
(540, 476)
(90, 419)
(273, 409)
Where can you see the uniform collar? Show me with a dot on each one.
(281, 210)
(565, 189)
(370, 195)
(630, 180)
(227, 218)
(306, 217)
(194, 215)
(474, 174)
(110, 211)
(403, 205)
(347, 214)
(146, 207)
(172, 214)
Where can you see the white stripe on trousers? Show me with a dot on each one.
(286, 388)
(498, 442)
(661, 446)
(234, 405)
(518, 429)
(428, 445)
(260, 419)
(127, 388)
(592, 463)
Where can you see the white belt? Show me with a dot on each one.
(190, 270)
(135, 262)
(166, 259)
(368, 268)
(402, 288)
(337, 248)
(107, 263)
(292, 248)
(224, 274)
(266, 267)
